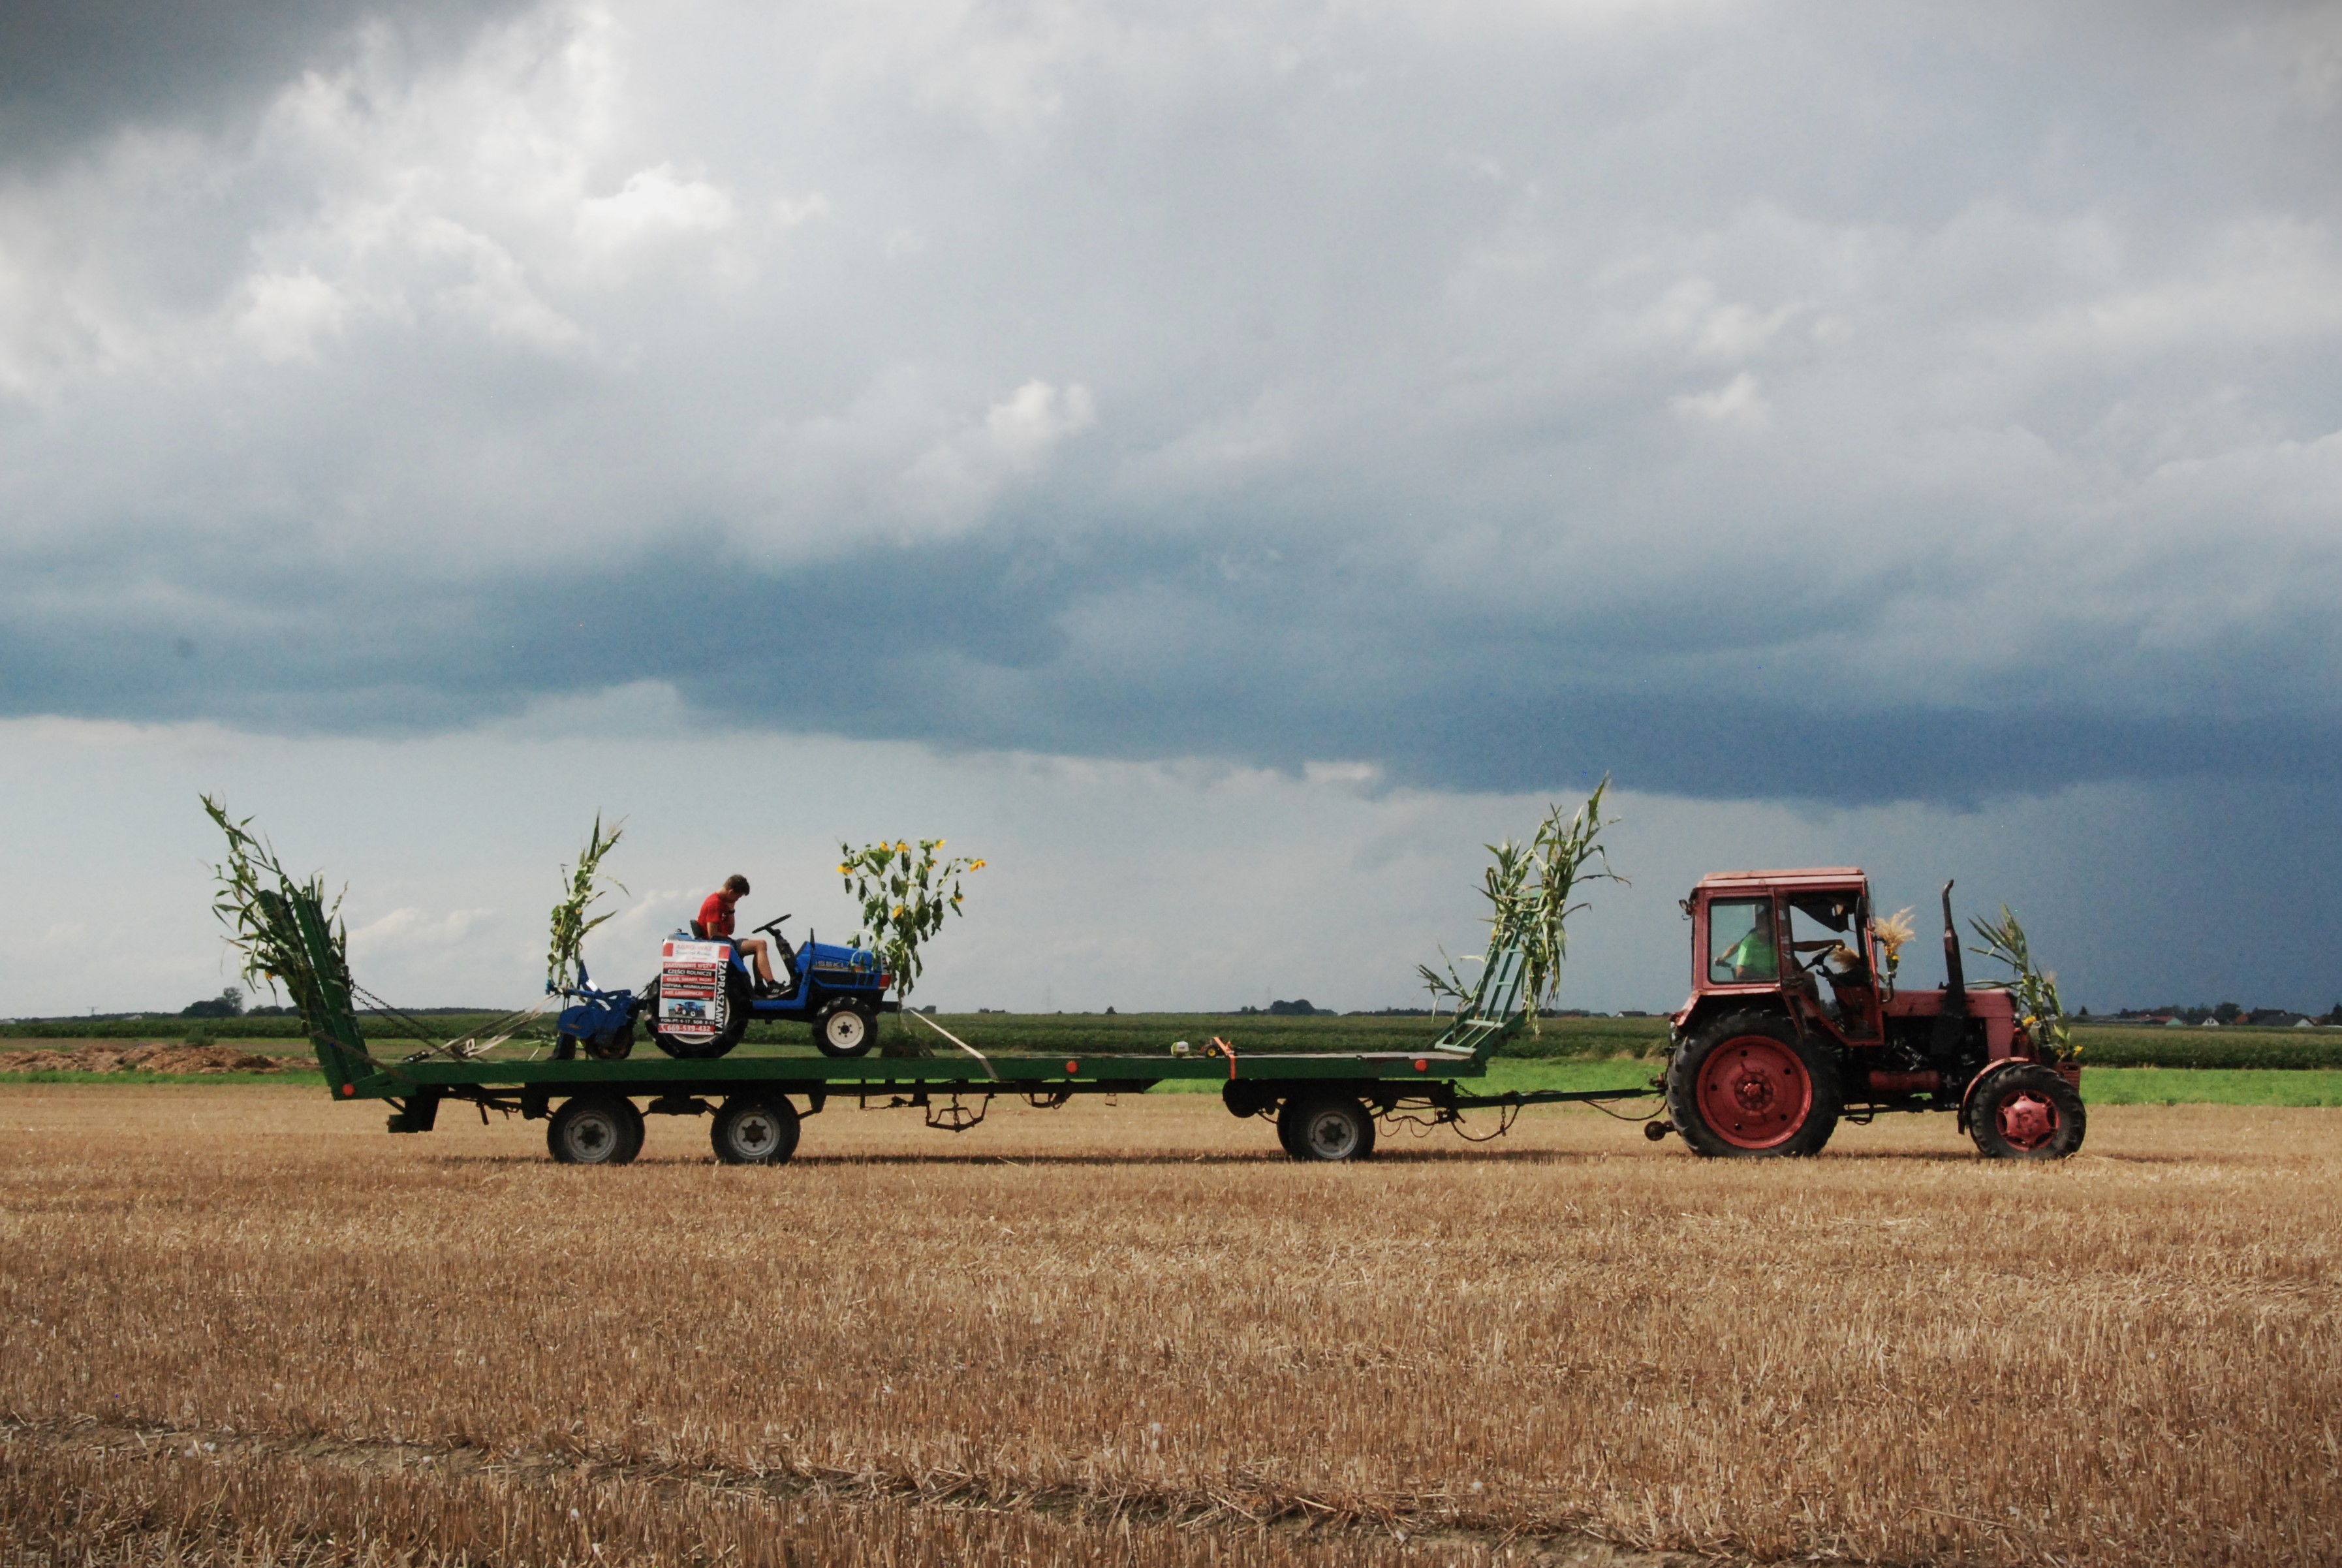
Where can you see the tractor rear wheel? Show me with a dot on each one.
(752, 1130)
(1325, 1127)
(595, 1130)
(845, 1031)
(736, 1023)
(1746, 1087)
(2028, 1113)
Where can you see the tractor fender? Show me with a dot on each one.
(1968, 1094)
(1704, 1011)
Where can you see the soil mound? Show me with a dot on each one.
(150, 1057)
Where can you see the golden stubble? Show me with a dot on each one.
(1895, 1351)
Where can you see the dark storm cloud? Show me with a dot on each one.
(1853, 404)
(970, 644)
(70, 73)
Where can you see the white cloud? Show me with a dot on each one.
(953, 481)
(653, 204)
(1740, 401)
(408, 933)
(289, 313)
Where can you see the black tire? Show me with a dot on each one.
(2028, 1113)
(1745, 1087)
(736, 996)
(756, 1129)
(1286, 1115)
(595, 1130)
(845, 1031)
(1325, 1127)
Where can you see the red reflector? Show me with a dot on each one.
(349, 1088)
(1073, 1067)
(1421, 1065)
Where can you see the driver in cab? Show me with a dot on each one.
(1753, 956)
(714, 924)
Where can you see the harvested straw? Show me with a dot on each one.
(585, 887)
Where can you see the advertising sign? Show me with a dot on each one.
(691, 1003)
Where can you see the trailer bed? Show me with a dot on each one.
(1324, 1103)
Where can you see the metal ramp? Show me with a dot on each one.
(1496, 1010)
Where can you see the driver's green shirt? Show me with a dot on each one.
(1753, 957)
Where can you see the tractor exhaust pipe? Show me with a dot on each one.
(1955, 979)
(1943, 1041)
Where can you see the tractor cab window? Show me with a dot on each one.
(1740, 941)
(1824, 935)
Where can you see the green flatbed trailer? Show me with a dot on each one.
(1324, 1103)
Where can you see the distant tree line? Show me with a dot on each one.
(2224, 1012)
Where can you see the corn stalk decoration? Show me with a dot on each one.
(2038, 1007)
(1528, 887)
(255, 900)
(905, 894)
(565, 955)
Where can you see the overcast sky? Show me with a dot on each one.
(1220, 464)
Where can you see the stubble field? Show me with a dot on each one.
(241, 1323)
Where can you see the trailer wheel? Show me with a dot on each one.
(2028, 1113)
(1325, 1127)
(595, 1130)
(845, 1032)
(1746, 1087)
(752, 1130)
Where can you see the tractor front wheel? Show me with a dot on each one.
(595, 1130)
(1325, 1127)
(1746, 1087)
(2028, 1113)
(845, 1032)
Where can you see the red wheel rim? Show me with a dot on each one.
(1753, 1092)
(2026, 1121)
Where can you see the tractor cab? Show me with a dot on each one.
(1800, 936)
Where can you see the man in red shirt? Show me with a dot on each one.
(715, 922)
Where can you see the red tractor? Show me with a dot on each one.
(1794, 1021)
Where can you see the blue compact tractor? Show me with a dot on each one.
(706, 997)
